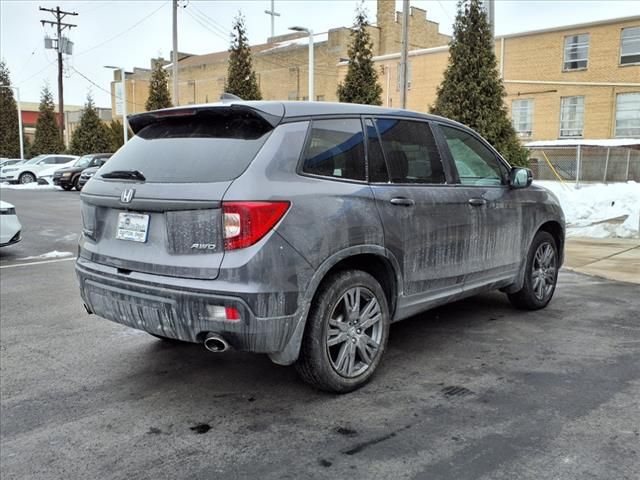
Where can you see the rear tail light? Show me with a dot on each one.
(245, 223)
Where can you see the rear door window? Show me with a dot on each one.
(335, 149)
(208, 146)
(410, 151)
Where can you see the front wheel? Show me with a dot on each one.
(541, 274)
(346, 333)
(27, 178)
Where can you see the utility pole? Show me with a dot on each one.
(404, 54)
(491, 11)
(59, 15)
(273, 14)
(174, 60)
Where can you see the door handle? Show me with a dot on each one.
(477, 202)
(405, 202)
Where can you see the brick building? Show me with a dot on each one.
(576, 81)
(281, 64)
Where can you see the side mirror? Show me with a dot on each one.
(520, 177)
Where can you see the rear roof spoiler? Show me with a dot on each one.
(271, 112)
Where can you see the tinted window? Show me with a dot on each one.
(210, 146)
(410, 151)
(476, 164)
(377, 167)
(335, 149)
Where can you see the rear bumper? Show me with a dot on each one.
(181, 313)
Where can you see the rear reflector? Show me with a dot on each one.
(218, 312)
(245, 223)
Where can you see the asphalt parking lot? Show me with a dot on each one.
(473, 390)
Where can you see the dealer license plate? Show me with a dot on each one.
(133, 227)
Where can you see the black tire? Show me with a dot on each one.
(316, 363)
(26, 177)
(75, 183)
(67, 187)
(528, 297)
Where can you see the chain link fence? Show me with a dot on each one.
(585, 164)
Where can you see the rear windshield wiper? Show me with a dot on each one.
(125, 174)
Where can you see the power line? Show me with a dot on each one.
(38, 72)
(211, 20)
(123, 32)
(104, 89)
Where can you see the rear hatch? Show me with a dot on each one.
(155, 207)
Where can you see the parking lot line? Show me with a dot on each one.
(26, 264)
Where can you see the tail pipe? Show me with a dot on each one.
(215, 343)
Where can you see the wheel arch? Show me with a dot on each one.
(373, 259)
(556, 230)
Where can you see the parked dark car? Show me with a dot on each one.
(68, 177)
(86, 175)
(303, 230)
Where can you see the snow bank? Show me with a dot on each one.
(27, 186)
(599, 210)
(48, 255)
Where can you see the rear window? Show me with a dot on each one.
(206, 147)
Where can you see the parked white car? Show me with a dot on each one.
(10, 228)
(29, 171)
(5, 162)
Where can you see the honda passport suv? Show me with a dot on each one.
(303, 230)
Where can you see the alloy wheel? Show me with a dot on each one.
(354, 333)
(543, 271)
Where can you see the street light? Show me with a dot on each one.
(125, 126)
(309, 32)
(19, 118)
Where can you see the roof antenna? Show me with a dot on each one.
(229, 97)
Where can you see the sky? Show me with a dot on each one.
(129, 33)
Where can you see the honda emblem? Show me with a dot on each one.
(127, 195)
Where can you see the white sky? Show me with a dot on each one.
(107, 34)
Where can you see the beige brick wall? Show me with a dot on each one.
(535, 60)
(283, 72)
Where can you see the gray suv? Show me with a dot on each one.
(303, 230)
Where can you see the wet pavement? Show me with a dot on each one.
(472, 390)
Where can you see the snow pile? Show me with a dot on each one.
(599, 210)
(48, 255)
(28, 186)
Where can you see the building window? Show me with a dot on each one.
(522, 117)
(576, 52)
(409, 75)
(628, 115)
(571, 116)
(630, 46)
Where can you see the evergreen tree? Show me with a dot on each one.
(47, 138)
(241, 78)
(9, 134)
(471, 91)
(116, 135)
(159, 96)
(91, 136)
(360, 85)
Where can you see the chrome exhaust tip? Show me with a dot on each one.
(215, 343)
